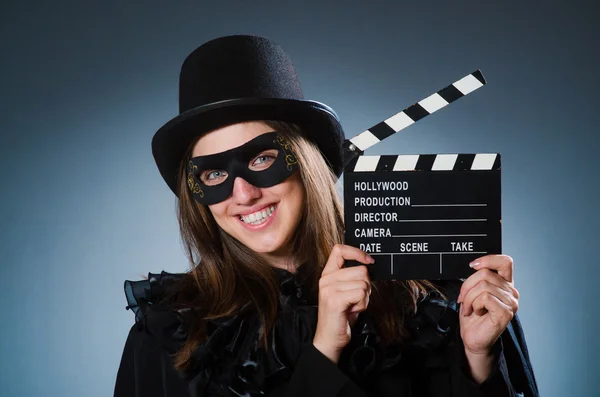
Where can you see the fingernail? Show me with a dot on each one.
(370, 259)
(474, 264)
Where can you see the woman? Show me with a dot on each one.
(268, 308)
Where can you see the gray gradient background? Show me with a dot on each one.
(84, 85)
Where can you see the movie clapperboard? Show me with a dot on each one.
(422, 216)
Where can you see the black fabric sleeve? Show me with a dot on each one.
(317, 376)
(497, 384)
(517, 359)
(146, 370)
(125, 383)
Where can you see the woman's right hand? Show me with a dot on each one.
(343, 294)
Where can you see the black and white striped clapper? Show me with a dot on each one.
(423, 216)
(418, 111)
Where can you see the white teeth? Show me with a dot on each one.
(258, 217)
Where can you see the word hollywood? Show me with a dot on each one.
(380, 185)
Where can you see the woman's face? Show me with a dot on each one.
(263, 219)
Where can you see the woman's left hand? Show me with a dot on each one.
(489, 301)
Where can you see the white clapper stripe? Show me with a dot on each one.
(484, 161)
(366, 163)
(407, 162)
(444, 162)
(399, 121)
(364, 140)
(467, 84)
(433, 103)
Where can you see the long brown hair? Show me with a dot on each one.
(226, 276)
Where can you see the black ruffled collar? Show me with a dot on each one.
(231, 362)
(293, 290)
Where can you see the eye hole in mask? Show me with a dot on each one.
(259, 163)
(264, 161)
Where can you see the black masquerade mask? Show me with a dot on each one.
(264, 161)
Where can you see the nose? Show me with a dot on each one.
(244, 192)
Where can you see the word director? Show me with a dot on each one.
(375, 217)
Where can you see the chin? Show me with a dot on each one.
(265, 247)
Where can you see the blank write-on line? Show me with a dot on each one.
(443, 220)
(449, 205)
(440, 235)
(426, 253)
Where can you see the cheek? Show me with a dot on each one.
(219, 211)
(293, 192)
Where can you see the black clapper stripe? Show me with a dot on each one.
(416, 112)
(425, 162)
(479, 76)
(450, 93)
(386, 163)
(464, 162)
(381, 130)
(497, 164)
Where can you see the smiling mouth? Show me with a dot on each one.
(258, 217)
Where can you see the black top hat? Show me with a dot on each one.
(241, 78)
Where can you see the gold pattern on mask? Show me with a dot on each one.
(290, 153)
(191, 182)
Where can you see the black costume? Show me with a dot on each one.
(431, 363)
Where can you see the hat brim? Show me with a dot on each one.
(318, 121)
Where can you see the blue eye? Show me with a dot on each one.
(215, 173)
(213, 177)
(264, 159)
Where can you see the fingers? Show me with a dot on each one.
(343, 293)
(352, 296)
(490, 276)
(358, 299)
(338, 286)
(501, 314)
(503, 264)
(486, 288)
(341, 253)
(494, 275)
(345, 274)
(348, 289)
(354, 284)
